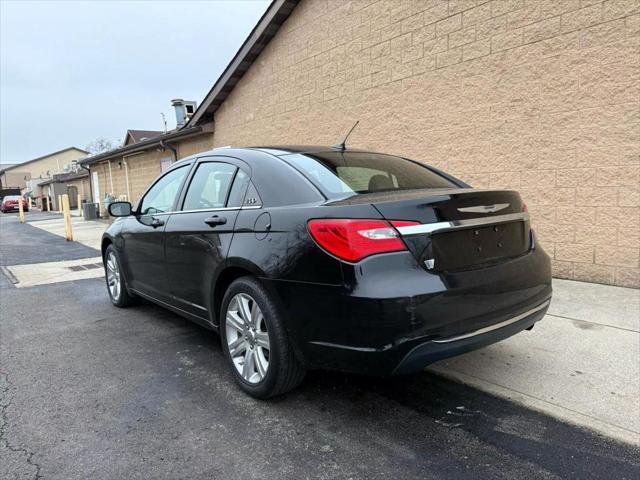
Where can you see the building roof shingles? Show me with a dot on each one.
(139, 135)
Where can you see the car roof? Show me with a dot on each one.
(269, 173)
(274, 150)
(280, 150)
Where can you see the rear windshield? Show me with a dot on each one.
(12, 197)
(340, 174)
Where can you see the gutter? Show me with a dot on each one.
(144, 145)
(170, 147)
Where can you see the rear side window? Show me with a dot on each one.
(243, 192)
(236, 195)
(338, 174)
(209, 186)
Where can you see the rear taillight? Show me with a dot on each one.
(524, 207)
(355, 239)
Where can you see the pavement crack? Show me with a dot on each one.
(6, 400)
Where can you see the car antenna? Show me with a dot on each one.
(343, 146)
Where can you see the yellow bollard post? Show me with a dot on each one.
(66, 212)
(46, 203)
(20, 210)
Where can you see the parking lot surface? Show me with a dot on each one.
(91, 391)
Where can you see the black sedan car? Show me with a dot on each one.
(320, 257)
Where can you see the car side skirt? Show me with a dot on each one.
(189, 316)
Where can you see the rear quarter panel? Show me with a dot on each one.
(276, 243)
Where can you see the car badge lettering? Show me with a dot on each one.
(484, 208)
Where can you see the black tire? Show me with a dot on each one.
(284, 371)
(124, 298)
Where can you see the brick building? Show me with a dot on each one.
(25, 175)
(542, 96)
(75, 184)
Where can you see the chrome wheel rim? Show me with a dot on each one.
(247, 338)
(113, 276)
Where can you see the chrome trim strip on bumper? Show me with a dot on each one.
(496, 326)
(431, 228)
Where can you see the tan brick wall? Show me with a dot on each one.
(15, 178)
(82, 184)
(44, 168)
(537, 95)
(198, 144)
(143, 168)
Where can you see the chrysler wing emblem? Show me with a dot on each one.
(484, 208)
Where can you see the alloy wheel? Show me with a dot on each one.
(247, 338)
(113, 276)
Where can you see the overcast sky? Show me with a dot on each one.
(74, 71)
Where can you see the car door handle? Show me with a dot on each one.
(215, 220)
(156, 222)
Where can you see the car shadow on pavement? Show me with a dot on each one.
(411, 415)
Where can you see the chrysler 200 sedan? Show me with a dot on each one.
(318, 257)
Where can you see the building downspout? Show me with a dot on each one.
(172, 148)
(126, 172)
(126, 179)
(110, 178)
(90, 182)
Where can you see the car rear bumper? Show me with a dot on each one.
(434, 350)
(392, 316)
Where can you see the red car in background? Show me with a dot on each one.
(10, 204)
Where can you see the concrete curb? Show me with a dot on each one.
(542, 406)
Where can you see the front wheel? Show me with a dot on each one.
(255, 341)
(116, 285)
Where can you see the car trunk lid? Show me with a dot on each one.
(458, 228)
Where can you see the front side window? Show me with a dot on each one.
(161, 197)
(340, 174)
(209, 186)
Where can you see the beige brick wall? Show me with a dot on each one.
(143, 168)
(82, 184)
(198, 144)
(44, 168)
(15, 178)
(537, 95)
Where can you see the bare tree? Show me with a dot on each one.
(100, 145)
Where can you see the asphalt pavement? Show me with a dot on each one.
(92, 391)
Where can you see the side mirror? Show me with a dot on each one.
(120, 209)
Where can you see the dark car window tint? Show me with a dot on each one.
(236, 196)
(360, 178)
(161, 197)
(209, 186)
(342, 173)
